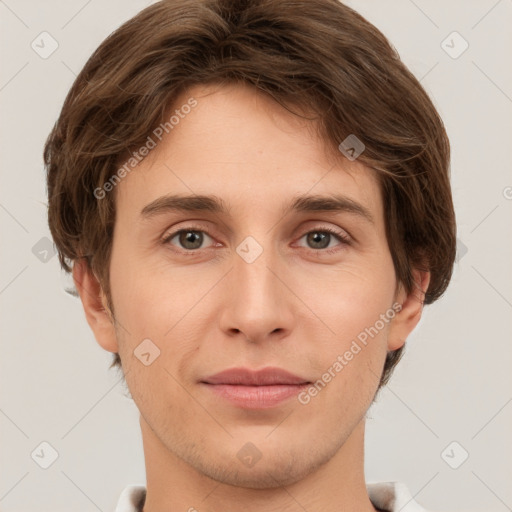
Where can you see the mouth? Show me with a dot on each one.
(260, 389)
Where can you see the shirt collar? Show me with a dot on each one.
(389, 496)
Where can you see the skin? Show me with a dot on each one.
(294, 307)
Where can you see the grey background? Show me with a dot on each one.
(454, 382)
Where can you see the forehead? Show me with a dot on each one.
(247, 150)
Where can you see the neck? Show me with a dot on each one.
(173, 484)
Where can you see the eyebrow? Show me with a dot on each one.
(216, 205)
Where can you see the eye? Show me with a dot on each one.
(321, 237)
(189, 238)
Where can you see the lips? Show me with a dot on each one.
(269, 376)
(255, 389)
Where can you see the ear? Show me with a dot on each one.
(412, 306)
(94, 302)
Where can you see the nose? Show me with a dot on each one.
(259, 304)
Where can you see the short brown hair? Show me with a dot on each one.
(317, 55)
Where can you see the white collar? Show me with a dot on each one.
(389, 496)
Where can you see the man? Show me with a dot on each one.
(254, 201)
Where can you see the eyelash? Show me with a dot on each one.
(342, 237)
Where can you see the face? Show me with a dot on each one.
(258, 284)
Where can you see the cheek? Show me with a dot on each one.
(351, 296)
(156, 304)
(349, 369)
(144, 296)
(356, 305)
